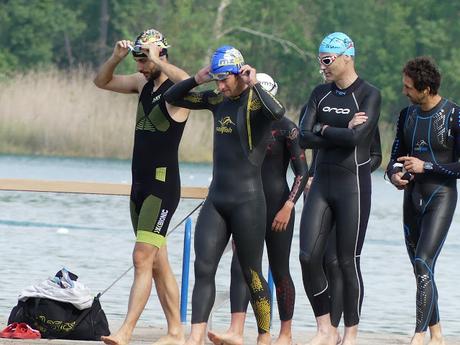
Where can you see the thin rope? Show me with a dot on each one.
(169, 233)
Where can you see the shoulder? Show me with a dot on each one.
(321, 90)
(370, 89)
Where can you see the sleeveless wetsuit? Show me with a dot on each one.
(331, 262)
(340, 192)
(430, 198)
(155, 190)
(282, 148)
(235, 204)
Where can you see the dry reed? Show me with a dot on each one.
(63, 113)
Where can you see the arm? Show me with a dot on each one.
(376, 151)
(271, 107)
(179, 95)
(398, 149)
(105, 79)
(174, 73)
(308, 118)
(352, 137)
(300, 168)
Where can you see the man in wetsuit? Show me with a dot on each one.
(341, 189)
(155, 190)
(331, 263)
(427, 144)
(282, 149)
(243, 113)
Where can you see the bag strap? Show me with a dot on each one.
(86, 312)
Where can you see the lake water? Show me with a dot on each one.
(91, 235)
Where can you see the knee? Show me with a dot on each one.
(421, 267)
(203, 269)
(143, 257)
(308, 261)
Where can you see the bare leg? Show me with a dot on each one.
(234, 335)
(285, 336)
(350, 335)
(418, 338)
(168, 294)
(264, 339)
(436, 335)
(143, 258)
(197, 334)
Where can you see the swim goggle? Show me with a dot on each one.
(219, 76)
(328, 60)
(137, 49)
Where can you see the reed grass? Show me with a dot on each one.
(62, 113)
(57, 113)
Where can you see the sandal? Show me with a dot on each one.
(24, 331)
(8, 331)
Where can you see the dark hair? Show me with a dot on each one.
(424, 73)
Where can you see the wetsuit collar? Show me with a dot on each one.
(343, 92)
(433, 110)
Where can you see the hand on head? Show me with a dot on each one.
(203, 76)
(248, 74)
(153, 52)
(121, 48)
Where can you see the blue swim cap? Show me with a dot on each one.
(337, 43)
(226, 59)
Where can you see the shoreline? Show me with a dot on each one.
(145, 334)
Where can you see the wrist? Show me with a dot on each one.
(427, 166)
(289, 204)
(317, 128)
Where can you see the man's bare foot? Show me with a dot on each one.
(283, 339)
(339, 339)
(225, 338)
(418, 339)
(117, 339)
(264, 339)
(436, 341)
(324, 339)
(191, 341)
(170, 340)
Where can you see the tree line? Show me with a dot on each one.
(277, 37)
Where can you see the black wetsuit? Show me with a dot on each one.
(235, 204)
(331, 262)
(155, 190)
(340, 192)
(430, 198)
(282, 148)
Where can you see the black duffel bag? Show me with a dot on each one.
(61, 320)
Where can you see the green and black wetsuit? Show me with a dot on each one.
(236, 202)
(155, 190)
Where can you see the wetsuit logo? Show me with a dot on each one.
(161, 220)
(156, 99)
(421, 146)
(336, 110)
(225, 124)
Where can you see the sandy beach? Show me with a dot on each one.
(145, 334)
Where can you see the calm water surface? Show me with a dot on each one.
(91, 236)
